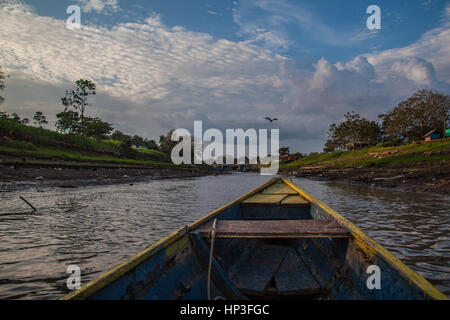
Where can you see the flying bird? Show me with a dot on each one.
(271, 119)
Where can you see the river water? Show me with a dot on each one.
(96, 227)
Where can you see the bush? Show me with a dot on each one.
(126, 151)
(392, 143)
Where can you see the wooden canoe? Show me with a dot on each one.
(275, 242)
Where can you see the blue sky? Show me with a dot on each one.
(403, 22)
(162, 64)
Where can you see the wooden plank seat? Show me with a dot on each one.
(261, 199)
(294, 201)
(275, 200)
(275, 229)
(279, 188)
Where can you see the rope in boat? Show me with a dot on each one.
(212, 235)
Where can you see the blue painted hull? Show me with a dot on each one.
(246, 266)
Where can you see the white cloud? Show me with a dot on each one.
(99, 5)
(167, 76)
(416, 70)
(152, 78)
(433, 47)
(143, 61)
(365, 34)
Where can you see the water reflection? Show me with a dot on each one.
(97, 227)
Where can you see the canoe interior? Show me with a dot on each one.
(324, 262)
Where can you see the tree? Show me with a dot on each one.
(411, 119)
(15, 117)
(39, 119)
(151, 144)
(126, 150)
(68, 121)
(96, 128)
(77, 98)
(4, 115)
(120, 136)
(330, 146)
(2, 83)
(166, 144)
(137, 141)
(283, 151)
(353, 133)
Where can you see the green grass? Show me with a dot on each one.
(43, 153)
(21, 145)
(412, 153)
(20, 140)
(48, 138)
(155, 154)
(45, 146)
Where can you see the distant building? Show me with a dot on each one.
(140, 147)
(432, 135)
(288, 157)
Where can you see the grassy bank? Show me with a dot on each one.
(34, 145)
(377, 156)
(421, 167)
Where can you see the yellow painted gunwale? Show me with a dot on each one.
(129, 264)
(370, 246)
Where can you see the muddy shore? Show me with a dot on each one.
(423, 177)
(13, 177)
(419, 177)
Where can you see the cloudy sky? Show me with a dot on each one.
(162, 64)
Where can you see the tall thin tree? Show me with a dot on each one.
(78, 98)
(3, 76)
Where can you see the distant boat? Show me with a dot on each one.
(276, 242)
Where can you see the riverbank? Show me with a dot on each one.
(423, 167)
(431, 178)
(30, 156)
(73, 175)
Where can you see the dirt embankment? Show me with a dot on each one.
(76, 176)
(431, 177)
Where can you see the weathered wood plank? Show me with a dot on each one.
(276, 229)
(279, 188)
(255, 274)
(294, 278)
(264, 199)
(294, 201)
(218, 275)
